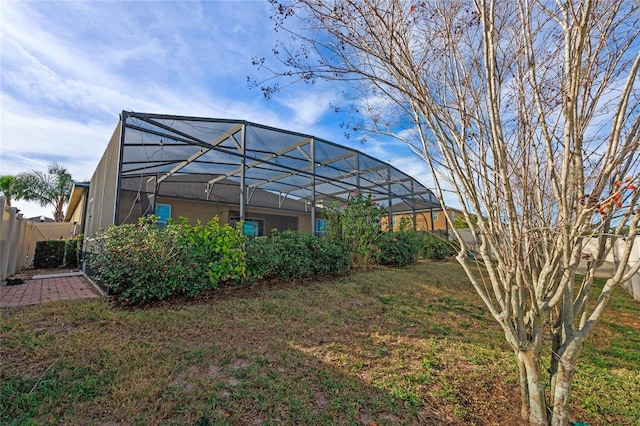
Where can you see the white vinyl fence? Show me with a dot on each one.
(18, 238)
(605, 271)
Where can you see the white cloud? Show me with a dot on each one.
(69, 69)
(307, 104)
(31, 142)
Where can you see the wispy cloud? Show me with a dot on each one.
(307, 107)
(69, 69)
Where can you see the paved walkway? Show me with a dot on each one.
(47, 288)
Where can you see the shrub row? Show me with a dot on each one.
(147, 262)
(405, 247)
(55, 253)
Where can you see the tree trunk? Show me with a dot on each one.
(532, 389)
(524, 390)
(58, 214)
(563, 385)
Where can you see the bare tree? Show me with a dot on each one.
(530, 111)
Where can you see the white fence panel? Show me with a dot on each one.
(605, 271)
(10, 239)
(18, 238)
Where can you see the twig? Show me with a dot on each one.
(45, 372)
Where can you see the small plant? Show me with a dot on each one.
(434, 247)
(357, 222)
(399, 248)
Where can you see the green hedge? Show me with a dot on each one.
(289, 255)
(146, 262)
(56, 253)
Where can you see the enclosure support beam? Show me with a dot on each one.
(413, 208)
(243, 168)
(257, 162)
(354, 172)
(390, 198)
(202, 151)
(313, 185)
(357, 170)
(308, 168)
(183, 164)
(151, 190)
(433, 225)
(281, 199)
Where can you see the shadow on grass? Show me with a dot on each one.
(394, 346)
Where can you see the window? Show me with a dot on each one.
(163, 211)
(251, 227)
(435, 215)
(322, 227)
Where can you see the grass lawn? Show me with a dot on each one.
(391, 346)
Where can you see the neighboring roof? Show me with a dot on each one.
(293, 168)
(77, 192)
(404, 208)
(40, 219)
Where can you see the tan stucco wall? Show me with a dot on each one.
(102, 191)
(76, 215)
(304, 219)
(196, 210)
(204, 211)
(424, 223)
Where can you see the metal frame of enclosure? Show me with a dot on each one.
(208, 160)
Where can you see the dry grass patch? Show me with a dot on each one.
(390, 346)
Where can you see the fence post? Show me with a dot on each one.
(14, 255)
(23, 243)
(4, 239)
(633, 285)
(9, 255)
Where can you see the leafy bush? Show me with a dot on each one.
(399, 248)
(461, 223)
(327, 254)
(289, 255)
(146, 262)
(357, 224)
(434, 247)
(72, 250)
(54, 253)
(220, 248)
(49, 254)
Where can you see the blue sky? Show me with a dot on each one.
(68, 68)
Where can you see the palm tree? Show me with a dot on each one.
(7, 188)
(52, 188)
